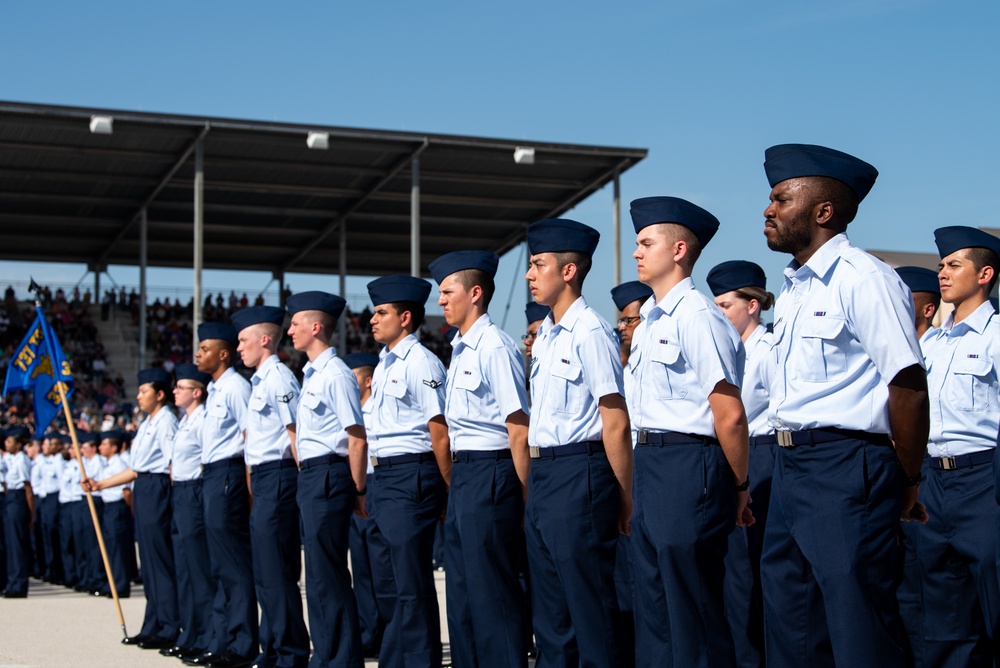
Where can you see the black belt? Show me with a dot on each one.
(322, 460)
(962, 461)
(142, 474)
(647, 437)
(273, 465)
(769, 439)
(403, 459)
(789, 439)
(187, 483)
(476, 455)
(582, 448)
(229, 461)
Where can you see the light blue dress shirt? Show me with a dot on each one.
(407, 392)
(185, 455)
(226, 408)
(114, 466)
(843, 329)
(36, 477)
(574, 364)
(686, 346)
(962, 384)
(274, 399)
(18, 472)
(153, 442)
(485, 386)
(757, 375)
(330, 403)
(69, 488)
(52, 466)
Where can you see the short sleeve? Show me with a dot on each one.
(345, 397)
(602, 364)
(426, 380)
(505, 376)
(709, 350)
(880, 310)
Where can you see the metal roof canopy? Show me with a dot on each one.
(270, 202)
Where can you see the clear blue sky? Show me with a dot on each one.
(908, 85)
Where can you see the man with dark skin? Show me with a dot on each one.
(849, 375)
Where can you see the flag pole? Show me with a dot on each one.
(90, 500)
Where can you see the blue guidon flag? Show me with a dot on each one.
(37, 365)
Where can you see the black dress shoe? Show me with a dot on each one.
(173, 650)
(14, 594)
(133, 640)
(230, 660)
(185, 653)
(156, 643)
(200, 659)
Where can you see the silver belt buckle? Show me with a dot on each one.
(948, 464)
(454, 456)
(374, 460)
(534, 451)
(784, 438)
(642, 437)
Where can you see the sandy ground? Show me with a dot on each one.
(57, 627)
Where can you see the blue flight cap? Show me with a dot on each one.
(562, 235)
(314, 300)
(256, 315)
(399, 288)
(153, 375)
(647, 211)
(790, 161)
(113, 433)
(17, 431)
(190, 372)
(534, 311)
(217, 330)
(357, 360)
(626, 293)
(88, 437)
(918, 279)
(957, 237)
(449, 263)
(734, 275)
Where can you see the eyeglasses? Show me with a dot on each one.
(184, 387)
(628, 320)
(530, 336)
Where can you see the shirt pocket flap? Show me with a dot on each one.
(257, 403)
(311, 401)
(395, 388)
(978, 366)
(219, 411)
(666, 353)
(826, 328)
(566, 370)
(467, 380)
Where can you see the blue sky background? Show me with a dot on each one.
(911, 86)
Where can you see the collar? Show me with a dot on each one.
(822, 261)
(670, 300)
(225, 374)
(755, 336)
(264, 368)
(977, 320)
(569, 319)
(319, 362)
(475, 333)
(402, 348)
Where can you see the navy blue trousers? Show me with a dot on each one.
(227, 530)
(151, 501)
(16, 517)
(483, 536)
(49, 522)
(3, 541)
(679, 556)
(363, 567)
(326, 501)
(958, 552)
(88, 553)
(571, 527)
(277, 564)
(744, 596)
(829, 566)
(70, 562)
(409, 500)
(194, 578)
(116, 525)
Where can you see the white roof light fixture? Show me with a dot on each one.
(101, 125)
(318, 140)
(524, 155)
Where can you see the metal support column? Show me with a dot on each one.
(342, 323)
(415, 217)
(199, 232)
(143, 254)
(617, 224)
(97, 285)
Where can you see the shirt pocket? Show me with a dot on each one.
(971, 384)
(668, 369)
(467, 393)
(566, 389)
(823, 356)
(399, 401)
(314, 407)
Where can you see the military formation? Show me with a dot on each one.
(691, 488)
